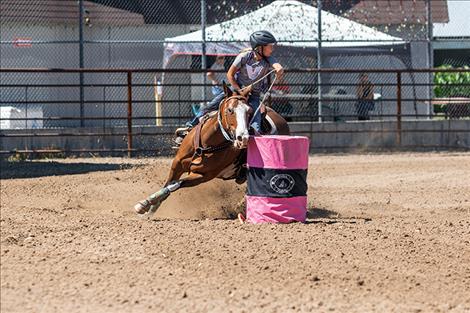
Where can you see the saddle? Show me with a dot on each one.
(181, 132)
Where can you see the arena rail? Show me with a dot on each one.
(129, 86)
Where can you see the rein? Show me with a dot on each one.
(265, 94)
(264, 98)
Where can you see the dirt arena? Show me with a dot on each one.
(386, 233)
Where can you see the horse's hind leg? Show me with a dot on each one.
(155, 200)
(152, 203)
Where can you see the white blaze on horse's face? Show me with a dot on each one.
(241, 133)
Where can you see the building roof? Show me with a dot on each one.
(459, 11)
(153, 11)
(65, 11)
(392, 12)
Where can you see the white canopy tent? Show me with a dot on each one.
(294, 24)
(345, 44)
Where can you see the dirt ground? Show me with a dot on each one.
(386, 233)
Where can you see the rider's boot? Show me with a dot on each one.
(181, 133)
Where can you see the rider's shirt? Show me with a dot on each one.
(250, 70)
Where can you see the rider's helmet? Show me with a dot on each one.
(261, 38)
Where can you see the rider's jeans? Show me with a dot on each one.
(254, 102)
(211, 106)
(216, 90)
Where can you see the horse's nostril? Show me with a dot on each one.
(239, 138)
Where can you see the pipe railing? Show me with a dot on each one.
(130, 101)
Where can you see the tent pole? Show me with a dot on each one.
(319, 42)
(203, 54)
(429, 109)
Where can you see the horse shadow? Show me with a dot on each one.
(33, 169)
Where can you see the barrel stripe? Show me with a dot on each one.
(275, 210)
(282, 152)
(276, 183)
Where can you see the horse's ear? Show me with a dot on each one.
(227, 90)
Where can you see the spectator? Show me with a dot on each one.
(281, 105)
(217, 77)
(365, 95)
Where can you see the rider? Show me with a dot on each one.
(248, 67)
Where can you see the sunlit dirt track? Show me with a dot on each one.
(386, 233)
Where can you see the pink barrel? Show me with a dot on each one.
(277, 179)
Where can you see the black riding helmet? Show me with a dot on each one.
(261, 38)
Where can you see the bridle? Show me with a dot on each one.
(226, 133)
(199, 149)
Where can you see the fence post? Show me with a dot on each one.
(203, 50)
(430, 57)
(26, 108)
(129, 114)
(81, 62)
(319, 61)
(398, 136)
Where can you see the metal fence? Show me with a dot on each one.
(148, 118)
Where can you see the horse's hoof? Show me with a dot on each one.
(142, 207)
(241, 218)
(242, 176)
(240, 180)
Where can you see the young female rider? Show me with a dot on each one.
(248, 67)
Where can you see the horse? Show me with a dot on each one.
(215, 148)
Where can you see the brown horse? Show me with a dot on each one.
(215, 148)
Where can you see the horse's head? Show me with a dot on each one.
(234, 113)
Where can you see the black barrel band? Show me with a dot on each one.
(276, 183)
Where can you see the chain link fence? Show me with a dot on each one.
(141, 34)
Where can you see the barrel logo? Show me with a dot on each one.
(282, 183)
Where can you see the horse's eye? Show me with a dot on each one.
(229, 110)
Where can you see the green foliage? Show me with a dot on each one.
(19, 156)
(451, 84)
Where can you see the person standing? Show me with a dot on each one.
(365, 95)
(216, 75)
